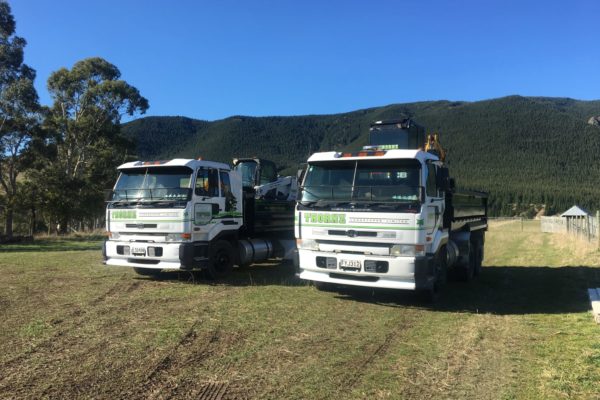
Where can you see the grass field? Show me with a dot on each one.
(72, 328)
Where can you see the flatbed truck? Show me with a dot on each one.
(388, 216)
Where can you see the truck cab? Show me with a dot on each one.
(169, 215)
(197, 215)
(385, 217)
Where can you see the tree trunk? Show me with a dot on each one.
(32, 224)
(8, 225)
(62, 229)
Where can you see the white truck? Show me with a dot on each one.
(387, 216)
(193, 215)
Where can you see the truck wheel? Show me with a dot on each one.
(221, 260)
(467, 272)
(147, 271)
(441, 268)
(478, 258)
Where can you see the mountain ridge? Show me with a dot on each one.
(524, 150)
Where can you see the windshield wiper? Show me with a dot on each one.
(321, 203)
(387, 206)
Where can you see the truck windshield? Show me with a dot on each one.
(368, 182)
(153, 184)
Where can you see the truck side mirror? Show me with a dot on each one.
(202, 214)
(109, 195)
(300, 175)
(421, 194)
(443, 179)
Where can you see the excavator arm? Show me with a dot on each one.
(434, 146)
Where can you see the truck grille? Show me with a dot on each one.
(354, 277)
(352, 233)
(143, 261)
(141, 226)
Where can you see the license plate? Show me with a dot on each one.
(138, 251)
(350, 264)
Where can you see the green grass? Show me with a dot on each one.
(58, 243)
(72, 327)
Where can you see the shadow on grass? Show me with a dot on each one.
(264, 274)
(58, 244)
(501, 290)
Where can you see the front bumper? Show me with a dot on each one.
(406, 273)
(168, 256)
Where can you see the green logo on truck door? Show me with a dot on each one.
(324, 218)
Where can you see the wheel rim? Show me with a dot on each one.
(221, 262)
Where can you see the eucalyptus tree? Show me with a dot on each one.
(89, 101)
(19, 113)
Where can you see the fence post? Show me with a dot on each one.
(521, 224)
(587, 228)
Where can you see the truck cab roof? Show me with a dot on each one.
(177, 162)
(375, 153)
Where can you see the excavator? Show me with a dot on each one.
(434, 146)
(269, 199)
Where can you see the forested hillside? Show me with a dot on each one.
(523, 150)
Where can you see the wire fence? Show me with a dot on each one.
(586, 228)
(514, 224)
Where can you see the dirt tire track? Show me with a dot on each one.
(185, 352)
(471, 353)
(213, 391)
(167, 361)
(77, 319)
(381, 349)
(351, 377)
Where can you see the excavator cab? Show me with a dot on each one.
(404, 134)
(255, 171)
(397, 134)
(269, 199)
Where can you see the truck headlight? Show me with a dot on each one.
(178, 237)
(307, 244)
(407, 250)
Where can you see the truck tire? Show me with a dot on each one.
(432, 294)
(465, 273)
(441, 268)
(220, 260)
(147, 271)
(478, 257)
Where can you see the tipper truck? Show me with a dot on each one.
(388, 216)
(196, 215)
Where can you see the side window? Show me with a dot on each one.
(226, 191)
(207, 182)
(431, 181)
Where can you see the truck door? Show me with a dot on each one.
(434, 202)
(207, 199)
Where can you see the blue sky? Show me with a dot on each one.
(213, 59)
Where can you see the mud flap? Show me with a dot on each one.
(193, 255)
(424, 272)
